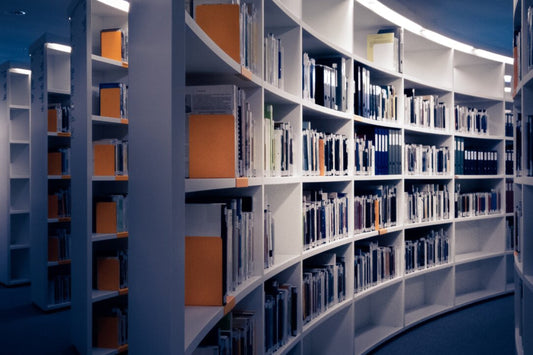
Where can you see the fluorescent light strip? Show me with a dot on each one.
(122, 5)
(59, 47)
(399, 20)
(20, 71)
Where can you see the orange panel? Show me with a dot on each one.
(221, 23)
(211, 146)
(106, 217)
(203, 271)
(111, 44)
(104, 160)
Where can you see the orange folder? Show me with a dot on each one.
(322, 157)
(111, 44)
(104, 159)
(221, 23)
(53, 206)
(52, 120)
(106, 217)
(107, 273)
(110, 102)
(107, 332)
(211, 146)
(53, 248)
(54, 163)
(376, 214)
(203, 271)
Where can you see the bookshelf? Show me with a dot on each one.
(15, 113)
(521, 110)
(50, 183)
(361, 320)
(478, 263)
(99, 176)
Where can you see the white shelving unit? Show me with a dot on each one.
(50, 63)
(479, 266)
(15, 136)
(90, 69)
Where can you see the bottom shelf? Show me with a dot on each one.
(476, 296)
(52, 307)
(199, 320)
(372, 335)
(424, 312)
(104, 351)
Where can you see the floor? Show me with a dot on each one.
(484, 328)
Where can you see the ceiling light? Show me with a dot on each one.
(59, 47)
(507, 78)
(20, 71)
(16, 12)
(507, 89)
(399, 20)
(122, 5)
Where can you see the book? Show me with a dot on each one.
(426, 249)
(383, 49)
(324, 154)
(376, 209)
(110, 157)
(281, 313)
(221, 22)
(110, 215)
(221, 139)
(113, 43)
(111, 271)
(427, 202)
(374, 264)
(111, 328)
(325, 217)
(113, 100)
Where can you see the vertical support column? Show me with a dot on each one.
(156, 199)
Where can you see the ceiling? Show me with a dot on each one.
(485, 24)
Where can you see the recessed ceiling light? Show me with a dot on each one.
(17, 12)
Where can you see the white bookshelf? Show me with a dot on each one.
(51, 85)
(90, 69)
(478, 266)
(15, 135)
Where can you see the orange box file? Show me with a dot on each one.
(108, 273)
(53, 206)
(110, 101)
(53, 248)
(203, 271)
(108, 329)
(211, 146)
(54, 163)
(52, 120)
(111, 44)
(221, 23)
(106, 217)
(104, 159)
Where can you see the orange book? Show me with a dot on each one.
(54, 163)
(212, 146)
(221, 23)
(110, 100)
(203, 271)
(52, 120)
(111, 44)
(108, 273)
(376, 214)
(107, 332)
(104, 159)
(322, 157)
(106, 217)
(53, 206)
(53, 248)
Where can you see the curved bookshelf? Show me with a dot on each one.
(466, 259)
(476, 268)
